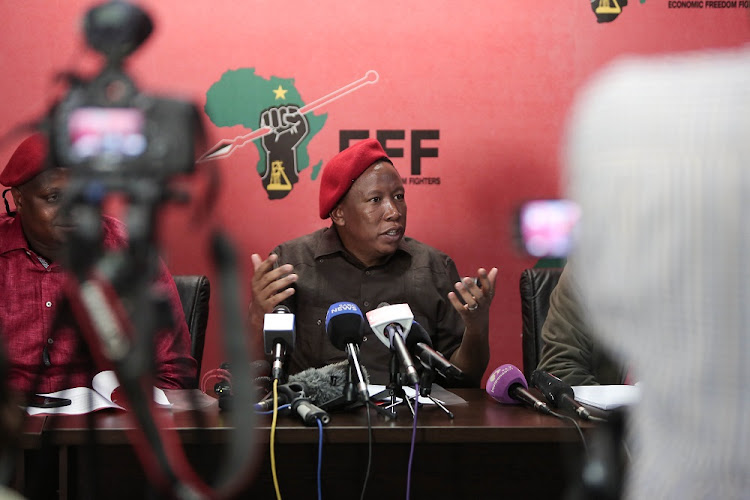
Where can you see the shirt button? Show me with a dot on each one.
(364, 339)
(319, 322)
(367, 304)
(50, 341)
(367, 273)
(48, 304)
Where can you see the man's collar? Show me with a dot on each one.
(330, 243)
(13, 238)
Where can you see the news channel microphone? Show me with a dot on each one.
(558, 393)
(391, 324)
(278, 337)
(326, 385)
(419, 344)
(508, 385)
(345, 328)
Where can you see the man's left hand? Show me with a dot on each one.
(475, 297)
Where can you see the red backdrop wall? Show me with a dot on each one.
(495, 79)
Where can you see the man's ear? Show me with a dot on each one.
(337, 216)
(17, 198)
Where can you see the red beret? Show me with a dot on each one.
(345, 168)
(28, 160)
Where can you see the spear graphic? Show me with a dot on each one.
(226, 147)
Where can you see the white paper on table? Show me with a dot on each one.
(607, 397)
(409, 391)
(84, 400)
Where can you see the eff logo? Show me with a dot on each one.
(281, 122)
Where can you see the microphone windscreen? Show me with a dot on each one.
(417, 334)
(279, 327)
(387, 315)
(260, 368)
(344, 325)
(501, 380)
(326, 384)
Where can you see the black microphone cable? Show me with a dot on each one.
(369, 451)
(576, 425)
(602, 474)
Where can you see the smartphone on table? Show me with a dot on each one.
(38, 401)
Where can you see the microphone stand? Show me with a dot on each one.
(395, 387)
(351, 392)
(425, 387)
(355, 391)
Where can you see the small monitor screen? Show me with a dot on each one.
(96, 131)
(547, 227)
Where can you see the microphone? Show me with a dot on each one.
(278, 337)
(508, 385)
(394, 322)
(558, 393)
(294, 395)
(419, 343)
(386, 314)
(302, 406)
(326, 386)
(259, 370)
(308, 412)
(345, 329)
(267, 404)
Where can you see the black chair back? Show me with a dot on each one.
(195, 291)
(536, 285)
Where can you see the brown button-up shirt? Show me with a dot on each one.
(416, 274)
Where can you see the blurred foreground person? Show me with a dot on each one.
(659, 161)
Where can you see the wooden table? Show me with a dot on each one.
(488, 450)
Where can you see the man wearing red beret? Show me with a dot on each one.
(45, 349)
(364, 257)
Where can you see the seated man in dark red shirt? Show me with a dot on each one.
(365, 257)
(44, 347)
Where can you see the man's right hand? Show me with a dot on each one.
(270, 287)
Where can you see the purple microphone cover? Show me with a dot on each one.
(500, 381)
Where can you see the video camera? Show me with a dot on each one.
(105, 126)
